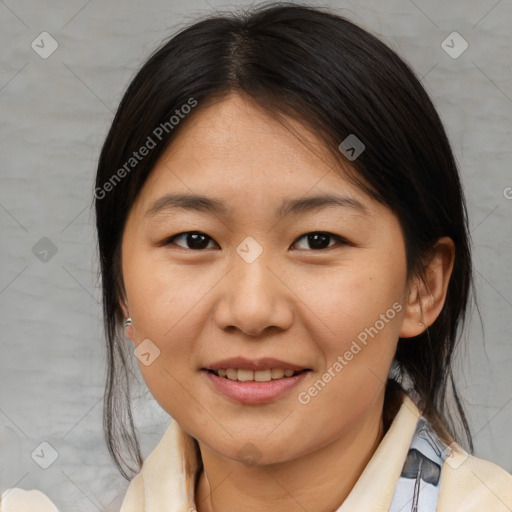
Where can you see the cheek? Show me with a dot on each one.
(164, 308)
(161, 296)
(357, 301)
(356, 327)
(357, 351)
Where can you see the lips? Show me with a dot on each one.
(254, 382)
(253, 392)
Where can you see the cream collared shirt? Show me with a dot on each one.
(468, 484)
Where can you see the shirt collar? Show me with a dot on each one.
(168, 482)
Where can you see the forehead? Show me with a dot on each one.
(234, 147)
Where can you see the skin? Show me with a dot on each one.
(294, 302)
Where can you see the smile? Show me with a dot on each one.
(242, 375)
(252, 391)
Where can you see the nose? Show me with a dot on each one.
(255, 299)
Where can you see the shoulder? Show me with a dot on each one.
(20, 500)
(134, 498)
(470, 484)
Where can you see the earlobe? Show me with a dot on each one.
(413, 321)
(427, 292)
(128, 328)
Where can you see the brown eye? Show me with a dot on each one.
(319, 240)
(194, 240)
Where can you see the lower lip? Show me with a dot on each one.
(253, 392)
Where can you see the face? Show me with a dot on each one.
(267, 280)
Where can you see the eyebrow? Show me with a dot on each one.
(201, 203)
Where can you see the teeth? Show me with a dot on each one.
(232, 374)
(250, 375)
(277, 373)
(245, 375)
(262, 375)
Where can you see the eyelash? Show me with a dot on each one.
(341, 240)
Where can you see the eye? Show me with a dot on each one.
(196, 240)
(320, 240)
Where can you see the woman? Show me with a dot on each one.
(283, 235)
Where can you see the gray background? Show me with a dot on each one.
(55, 113)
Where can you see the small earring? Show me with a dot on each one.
(421, 324)
(128, 322)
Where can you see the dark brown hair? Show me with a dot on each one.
(316, 67)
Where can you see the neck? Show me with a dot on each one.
(320, 480)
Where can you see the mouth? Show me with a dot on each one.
(263, 369)
(254, 381)
(242, 375)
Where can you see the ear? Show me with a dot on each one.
(427, 292)
(128, 331)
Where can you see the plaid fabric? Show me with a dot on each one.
(417, 489)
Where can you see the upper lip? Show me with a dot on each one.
(264, 363)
